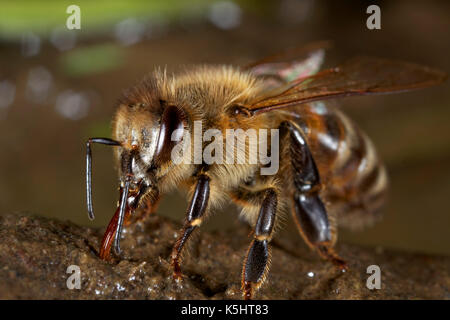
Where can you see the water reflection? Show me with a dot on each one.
(72, 105)
(225, 15)
(30, 44)
(63, 39)
(39, 85)
(129, 31)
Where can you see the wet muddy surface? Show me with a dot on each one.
(35, 253)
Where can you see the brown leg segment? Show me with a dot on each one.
(194, 216)
(309, 211)
(256, 263)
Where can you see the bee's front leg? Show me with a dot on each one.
(194, 217)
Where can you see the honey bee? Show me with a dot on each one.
(327, 168)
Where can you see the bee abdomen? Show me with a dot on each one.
(354, 178)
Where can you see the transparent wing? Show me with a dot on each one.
(289, 65)
(359, 76)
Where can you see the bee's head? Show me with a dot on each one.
(147, 136)
(144, 138)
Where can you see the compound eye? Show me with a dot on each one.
(170, 133)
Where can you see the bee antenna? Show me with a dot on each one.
(105, 141)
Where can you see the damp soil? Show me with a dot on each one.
(35, 253)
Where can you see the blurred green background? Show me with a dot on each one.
(58, 87)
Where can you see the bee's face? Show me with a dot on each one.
(137, 130)
(147, 138)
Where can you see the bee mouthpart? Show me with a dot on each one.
(122, 206)
(134, 192)
(130, 195)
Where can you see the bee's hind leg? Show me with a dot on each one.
(309, 211)
(312, 221)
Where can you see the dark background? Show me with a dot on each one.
(58, 87)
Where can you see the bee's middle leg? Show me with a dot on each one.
(194, 217)
(309, 211)
(256, 264)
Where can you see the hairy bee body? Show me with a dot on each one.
(353, 179)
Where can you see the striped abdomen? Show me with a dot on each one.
(354, 178)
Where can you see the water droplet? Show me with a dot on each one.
(225, 14)
(129, 31)
(39, 83)
(119, 287)
(30, 45)
(63, 39)
(72, 105)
